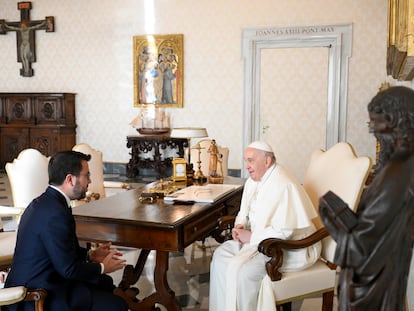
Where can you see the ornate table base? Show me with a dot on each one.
(154, 147)
(163, 295)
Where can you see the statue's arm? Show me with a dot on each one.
(9, 26)
(337, 212)
(381, 203)
(38, 26)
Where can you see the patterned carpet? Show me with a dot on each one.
(188, 273)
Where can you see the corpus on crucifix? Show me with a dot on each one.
(25, 32)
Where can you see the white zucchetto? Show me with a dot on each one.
(261, 145)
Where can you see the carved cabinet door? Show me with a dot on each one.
(18, 110)
(45, 140)
(48, 110)
(44, 121)
(13, 140)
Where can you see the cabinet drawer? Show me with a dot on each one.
(202, 226)
(13, 140)
(45, 140)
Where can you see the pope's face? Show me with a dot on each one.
(257, 163)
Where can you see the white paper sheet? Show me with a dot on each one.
(202, 194)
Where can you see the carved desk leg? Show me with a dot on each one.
(163, 294)
(130, 277)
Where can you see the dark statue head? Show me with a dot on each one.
(391, 114)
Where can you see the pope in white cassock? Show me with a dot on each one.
(274, 204)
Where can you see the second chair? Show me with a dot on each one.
(338, 170)
(98, 184)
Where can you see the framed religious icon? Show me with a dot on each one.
(158, 70)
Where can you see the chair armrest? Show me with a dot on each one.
(12, 295)
(273, 248)
(226, 222)
(37, 295)
(222, 232)
(10, 211)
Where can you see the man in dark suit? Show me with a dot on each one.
(47, 253)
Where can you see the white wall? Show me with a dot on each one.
(90, 53)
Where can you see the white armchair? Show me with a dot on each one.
(95, 168)
(342, 172)
(96, 188)
(11, 295)
(28, 177)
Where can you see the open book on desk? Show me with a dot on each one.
(201, 194)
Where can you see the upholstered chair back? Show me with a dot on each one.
(95, 168)
(339, 170)
(28, 176)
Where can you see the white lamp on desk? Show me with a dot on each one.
(188, 132)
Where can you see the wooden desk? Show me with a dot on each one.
(161, 226)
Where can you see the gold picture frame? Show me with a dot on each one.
(158, 70)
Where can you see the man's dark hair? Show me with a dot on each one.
(63, 163)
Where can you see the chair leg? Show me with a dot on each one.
(286, 306)
(203, 244)
(38, 296)
(327, 301)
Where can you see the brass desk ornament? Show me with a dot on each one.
(199, 178)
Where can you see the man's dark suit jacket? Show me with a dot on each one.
(48, 255)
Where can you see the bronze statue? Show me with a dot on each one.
(374, 245)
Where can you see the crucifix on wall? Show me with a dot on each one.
(25, 33)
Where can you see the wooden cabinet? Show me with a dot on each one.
(44, 121)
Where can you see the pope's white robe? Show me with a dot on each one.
(276, 206)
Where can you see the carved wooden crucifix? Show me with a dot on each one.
(25, 32)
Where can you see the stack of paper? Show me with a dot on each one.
(202, 194)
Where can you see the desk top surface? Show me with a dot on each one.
(125, 208)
